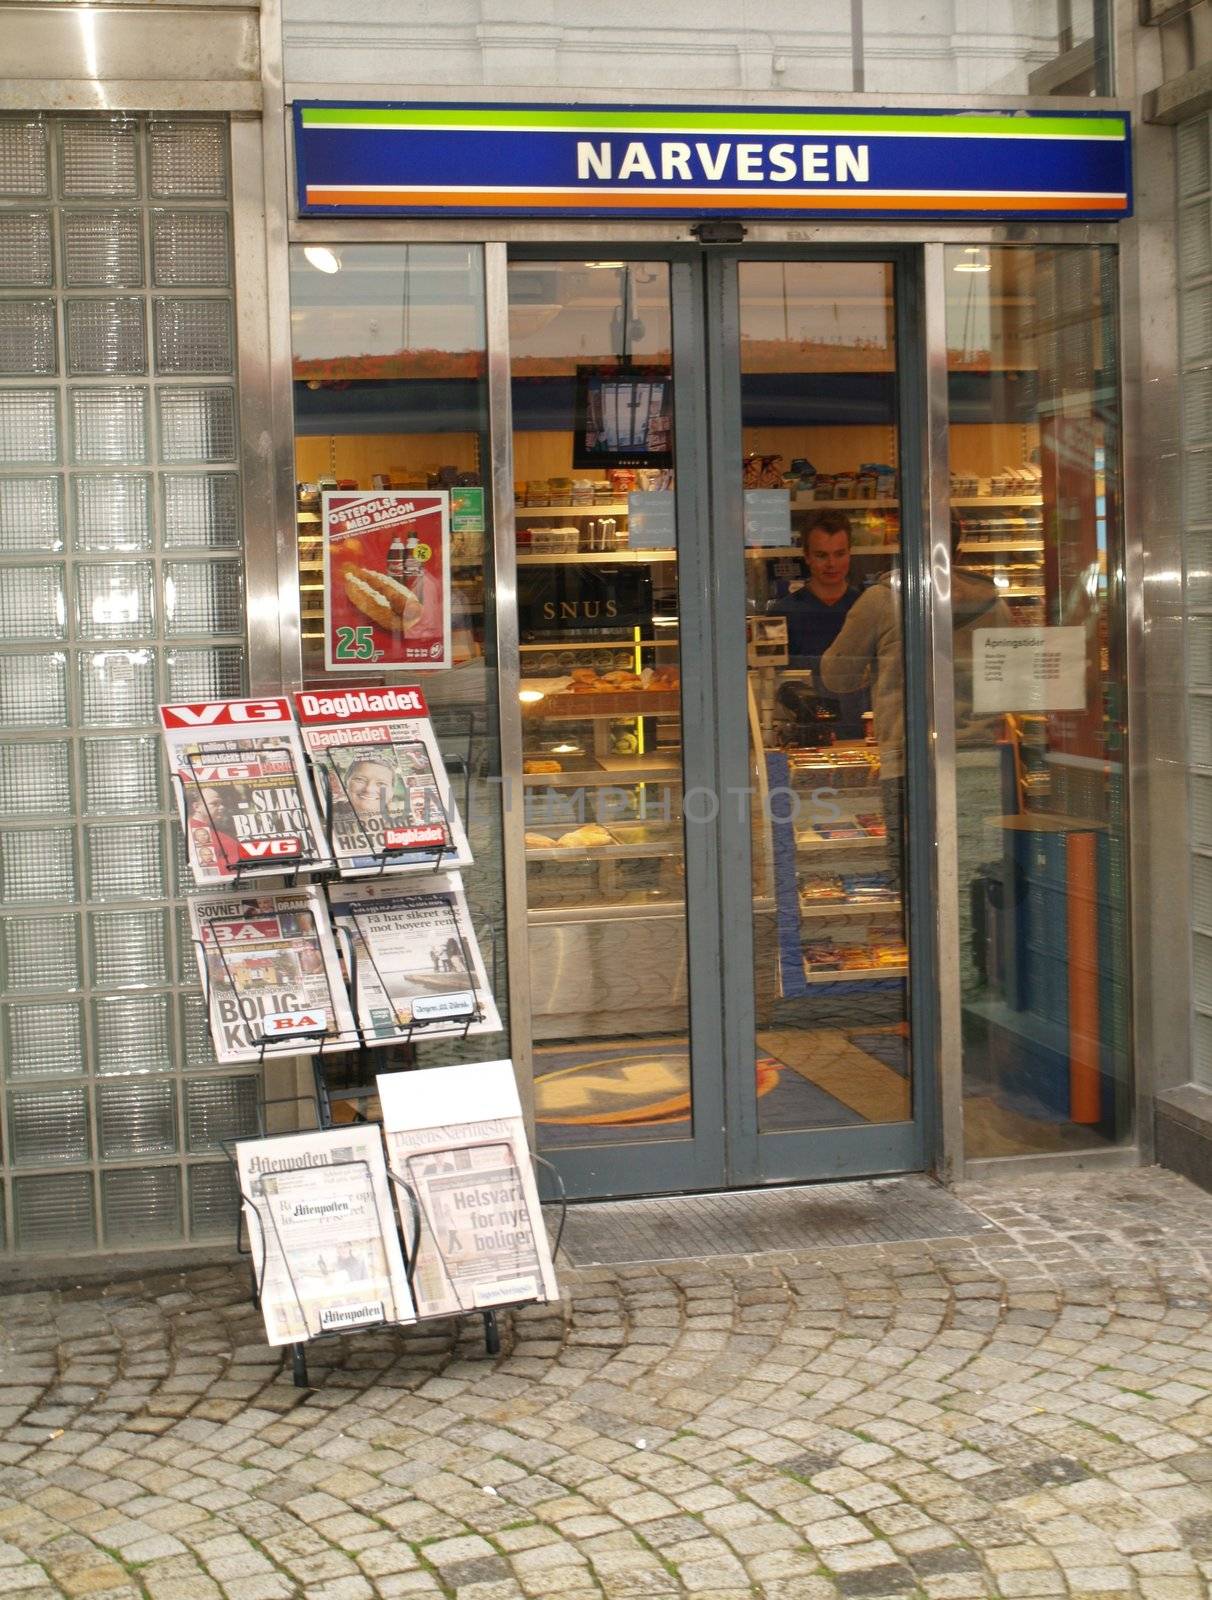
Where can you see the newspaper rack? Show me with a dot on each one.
(392, 852)
(410, 1249)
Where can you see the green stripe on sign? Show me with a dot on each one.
(1009, 125)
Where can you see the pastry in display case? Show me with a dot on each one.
(601, 763)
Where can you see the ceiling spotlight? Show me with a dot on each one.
(976, 259)
(321, 258)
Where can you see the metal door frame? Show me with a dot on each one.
(819, 1153)
(725, 1149)
(650, 1166)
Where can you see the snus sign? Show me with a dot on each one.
(684, 161)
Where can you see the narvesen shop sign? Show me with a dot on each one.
(623, 161)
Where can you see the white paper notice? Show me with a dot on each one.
(1029, 669)
(651, 520)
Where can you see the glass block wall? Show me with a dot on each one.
(1195, 353)
(120, 586)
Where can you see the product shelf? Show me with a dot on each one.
(824, 911)
(855, 975)
(585, 558)
(608, 852)
(616, 508)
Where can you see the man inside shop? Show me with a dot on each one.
(816, 609)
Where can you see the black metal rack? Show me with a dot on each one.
(419, 1222)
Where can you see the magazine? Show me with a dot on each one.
(483, 1238)
(245, 804)
(270, 969)
(380, 770)
(417, 962)
(322, 1231)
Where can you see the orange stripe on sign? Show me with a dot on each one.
(463, 199)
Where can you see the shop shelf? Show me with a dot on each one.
(807, 502)
(617, 508)
(610, 911)
(623, 703)
(584, 558)
(856, 975)
(999, 546)
(824, 911)
(621, 771)
(978, 500)
(813, 845)
(609, 852)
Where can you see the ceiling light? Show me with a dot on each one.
(602, 266)
(321, 258)
(976, 259)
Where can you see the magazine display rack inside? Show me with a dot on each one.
(391, 1313)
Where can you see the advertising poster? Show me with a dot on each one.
(483, 1239)
(624, 417)
(322, 1232)
(386, 579)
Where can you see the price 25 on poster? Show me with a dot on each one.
(386, 579)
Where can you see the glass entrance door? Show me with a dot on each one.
(810, 486)
(707, 486)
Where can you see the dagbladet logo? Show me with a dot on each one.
(362, 702)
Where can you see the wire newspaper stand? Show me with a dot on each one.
(436, 1180)
(375, 948)
(387, 1312)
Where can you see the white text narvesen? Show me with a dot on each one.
(673, 161)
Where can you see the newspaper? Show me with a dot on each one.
(270, 969)
(483, 1239)
(418, 964)
(244, 801)
(322, 1231)
(391, 807)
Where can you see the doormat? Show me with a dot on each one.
(635, 1091)
(803, 1217)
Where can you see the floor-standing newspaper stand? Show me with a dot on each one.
(260, 806)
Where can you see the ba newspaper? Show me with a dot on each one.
(270, 969)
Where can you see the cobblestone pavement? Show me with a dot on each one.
(1026, 1412)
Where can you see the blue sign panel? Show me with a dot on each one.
(686, 161)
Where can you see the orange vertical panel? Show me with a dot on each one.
(1082, 905)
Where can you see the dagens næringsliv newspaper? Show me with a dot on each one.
(242, 793)
(271, 970)
(387, 784)
(325, 1232)
(483, 1239)
(419, 966)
